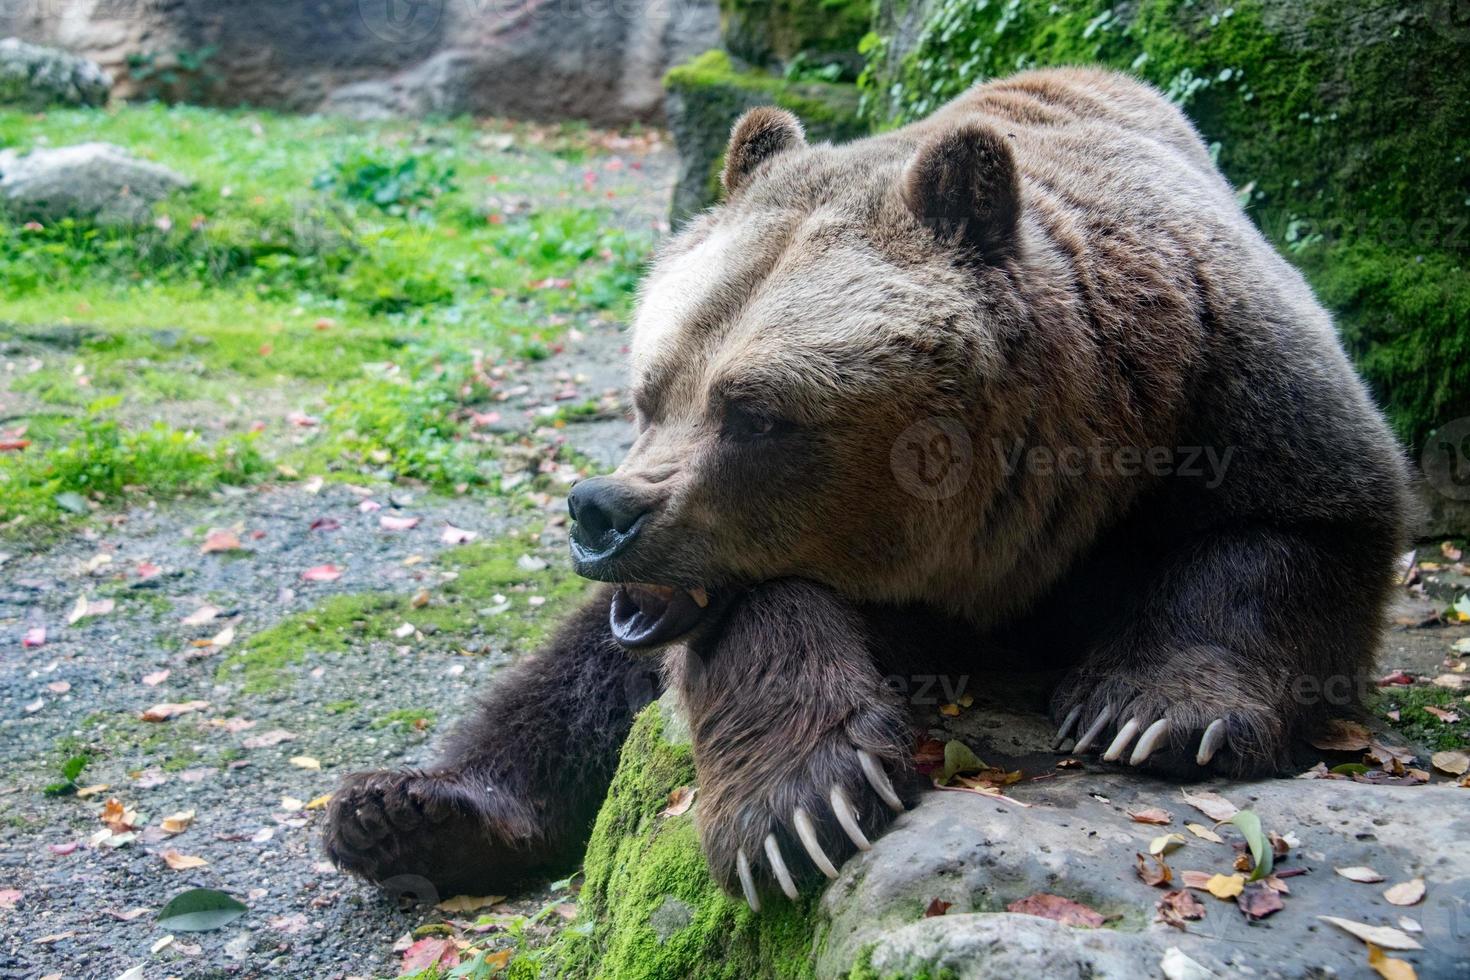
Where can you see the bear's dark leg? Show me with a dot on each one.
(803, 753)
(519, 781)
(1234, 644)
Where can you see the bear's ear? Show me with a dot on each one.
(962, 184)
(756, 137)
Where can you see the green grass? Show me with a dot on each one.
(344, 270)
(1420, 726)
(462, 608)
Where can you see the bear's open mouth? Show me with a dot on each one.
(652, 615)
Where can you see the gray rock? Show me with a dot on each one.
(34, 77)
(97, 181)
(670, 917)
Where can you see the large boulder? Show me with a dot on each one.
(708, 93)
(89, 181)
(35, 77)
(545, 59)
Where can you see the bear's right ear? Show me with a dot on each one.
(756, 137)
(963, 185)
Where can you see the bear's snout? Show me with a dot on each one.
(607, 516)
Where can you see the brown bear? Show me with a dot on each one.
(1022, 370)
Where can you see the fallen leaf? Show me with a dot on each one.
(1262, 849)
(325, 524)
(34, 637)
(1389, 968)
(1448, 717)
(1151, 814)
(958, 758)
(223, 638)
(469, 903)
(118, 818)
(59, 687)
(1196, 879)
(305, 762)
(200, 910)
(10, 898)
(1358, 873)
(270, 739)
(393, 522)
(220, 541)
(163, 712)
(319, 802)
(1409, 892)
(1058, 909)
(1212, 805)
(1178, 906)
(680, 800)
(431, 951)
(182, 862)
(1453, 763)
(322, 573)
(1176, 965)
(1153, 870)
(177, 823)
(201, 615)
(1385, 936)
(456, 535)
(1165, 843)
(1341, 735)
(156, 678)
(1226, 886)
(54, 937)
(1258, 900)
(1454, 682)
(85, 608)
(1204, 833)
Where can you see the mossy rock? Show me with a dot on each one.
(649, 909)
(708, 93)
(1346, 124)
(773, 33)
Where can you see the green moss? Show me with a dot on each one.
(1348, 121)
(419, 719)
(637, 862)
(464, 606)
(1420, 726)
(766, 31)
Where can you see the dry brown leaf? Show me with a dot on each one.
(118, 818)
(1455, 682)
(1212, 805)
(177, 823)
(1196, 879)
(156, 678)
(1225, 887)
(1358, 873)
(202, 615)
(1153, 870)
(163, 712)
(220, 541)
(680, 800)
(469, 903)
(1452, 763)
(1389, 968)
(1342, 735)
(1058, 909)
(1150, 814)
(1204, 833)
(1409, 892)
(1178, 906)
(937, 907)
(1448, 717)
(1385, 936)
(182, 862)
(1258, 900)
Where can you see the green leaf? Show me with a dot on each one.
(1249, 825)
(72, 501)
(1350, 769)
(72, 768)
(959, 758)
(200, 910)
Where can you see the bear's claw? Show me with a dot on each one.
(1154, 736)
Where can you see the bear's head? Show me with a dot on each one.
(808, 361)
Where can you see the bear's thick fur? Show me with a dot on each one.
(1023, 370)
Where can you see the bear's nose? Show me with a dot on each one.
(607, 515)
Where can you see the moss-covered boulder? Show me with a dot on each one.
(786, 32)
(649, 909)
(707, 94)
(1345, 123)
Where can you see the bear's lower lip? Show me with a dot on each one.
(653, 615)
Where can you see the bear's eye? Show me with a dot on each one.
(744, 424)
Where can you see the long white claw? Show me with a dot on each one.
(1088, 737)
(879, 780)
(847, 816)
(747, 881)
(1066, 728)
(808, 835)
(778, 865)
(1125, 735)
(1150, 740)
(1210, 742)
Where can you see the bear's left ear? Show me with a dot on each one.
(962, 183)
(756, 137)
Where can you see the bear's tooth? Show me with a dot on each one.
(700, 597)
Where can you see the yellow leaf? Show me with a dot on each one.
(469, 903)
(1389, 968)
(949, 710)
(306, 762)
(1204, 833)
(177, 823)
(87, 791)
(499, 960)
(320, 802)
(1165, 843)
(1226, 886)
(182, 862)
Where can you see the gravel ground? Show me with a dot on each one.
(71, 906)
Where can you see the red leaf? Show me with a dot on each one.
(1259, 900)
(937, 907)
(13, 445)
(1058, 909)
(430, 951)
(322, 573)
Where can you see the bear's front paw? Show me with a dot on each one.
(407, 829)
(783, 829)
